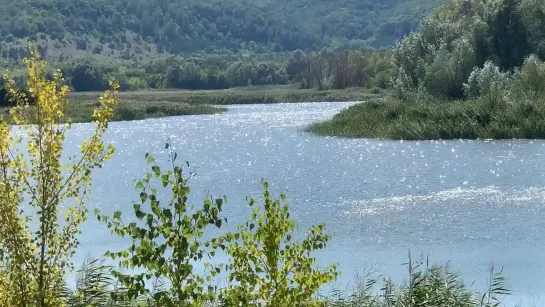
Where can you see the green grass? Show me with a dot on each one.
(134, 109)
(150, 104)
(426, 285)
(428, 119)
(238, 96)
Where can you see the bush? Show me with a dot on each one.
(445, 75)
(166, 241)
(402, 84)
(529, 80)
(136, 83)
(488, 83)
(267, 267)
(81, 43)
(98, 49)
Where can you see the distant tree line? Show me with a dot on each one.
(340, 69)
(320, 70)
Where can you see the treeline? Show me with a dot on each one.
(188, 26)
(340, 69)
(320, 70)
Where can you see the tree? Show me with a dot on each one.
(267, 267)
(441, 55)
(86, 77)
(36, 253)
(167, 240)
(81, 43)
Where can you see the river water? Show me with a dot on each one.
(472, 203)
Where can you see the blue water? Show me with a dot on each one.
(472, 203)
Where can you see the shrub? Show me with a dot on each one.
(136, 83)
(267, 267)
(166, 241)
(446, 73)
(81, 43)
(402, 84)
(529, 80)
(488, 83)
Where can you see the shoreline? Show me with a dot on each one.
(428, 119)
(155, 104)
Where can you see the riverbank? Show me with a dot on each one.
(430, 119)
(153, 104)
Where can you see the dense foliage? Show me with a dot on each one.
(425, 118)
(474, 69)
(463, 34)
(321, 70)
(189, 26)
(207, 44)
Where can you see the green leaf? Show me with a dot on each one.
(149, 219)
(143, 197)
(149, 159)
(164, 180)
(139, 185)
(157, 170)
(194, 248)
(167, 213)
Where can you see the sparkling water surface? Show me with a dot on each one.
(472, 203)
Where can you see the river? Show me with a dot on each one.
(468, 202)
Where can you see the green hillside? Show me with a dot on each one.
(175, 26)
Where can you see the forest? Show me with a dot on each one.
(189, 26)
(454, 44)
(321, 70)
(205, 44)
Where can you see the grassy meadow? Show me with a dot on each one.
(153, 104)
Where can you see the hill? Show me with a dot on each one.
(118, 27)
